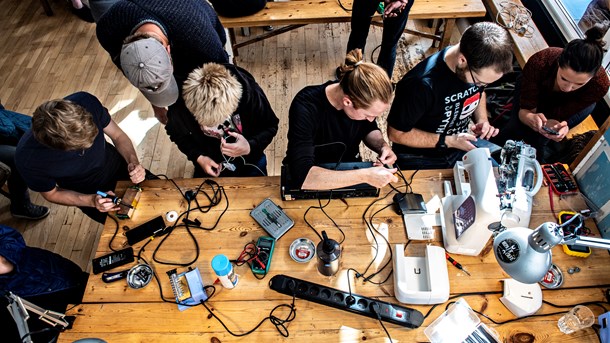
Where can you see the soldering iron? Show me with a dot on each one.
(115, 200)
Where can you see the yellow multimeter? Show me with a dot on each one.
(572, 250)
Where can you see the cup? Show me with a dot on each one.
(580, 317)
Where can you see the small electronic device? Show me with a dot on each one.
(560, 179)
(571, 249)
(264, 247)
(131, 197)
(483, 143)
(409, 203)
(112, 260)
(187, 287)
(146, 230)
(272, 218)
(550, 131)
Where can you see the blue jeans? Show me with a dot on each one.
(362, 13)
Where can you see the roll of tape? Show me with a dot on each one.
(171, 216)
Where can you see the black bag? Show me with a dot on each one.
(500, 98)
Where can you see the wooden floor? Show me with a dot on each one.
(50, 57)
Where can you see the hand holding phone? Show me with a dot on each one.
(550, 131)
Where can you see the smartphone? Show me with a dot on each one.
(145, 230)
(265, 247)
(550, 131)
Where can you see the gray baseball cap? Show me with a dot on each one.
(148, 66)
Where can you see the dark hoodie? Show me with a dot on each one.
(36, 271)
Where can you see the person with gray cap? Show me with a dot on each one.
(157, 43)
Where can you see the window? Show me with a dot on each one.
(574, 17)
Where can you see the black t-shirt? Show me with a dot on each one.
(319, 133)
(431, 98)
(83, 171)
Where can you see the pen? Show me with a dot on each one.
(456, 264)
(270, 217)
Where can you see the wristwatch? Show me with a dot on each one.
(441, 142)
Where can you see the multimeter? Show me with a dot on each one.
(572, 250)
(262, 262)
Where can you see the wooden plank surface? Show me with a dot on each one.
(326, 11)
(139, 315)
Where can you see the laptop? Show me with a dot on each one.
(363, 190)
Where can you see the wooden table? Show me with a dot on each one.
(116, 313)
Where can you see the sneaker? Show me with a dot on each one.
(30, 211)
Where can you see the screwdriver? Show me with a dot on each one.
(456, 264)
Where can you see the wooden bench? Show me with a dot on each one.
(298, 13)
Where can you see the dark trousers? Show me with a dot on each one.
(362, 13)
(16, 186)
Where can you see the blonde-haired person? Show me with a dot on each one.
(327, 123)
(223, 122)
(66, 158)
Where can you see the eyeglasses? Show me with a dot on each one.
(477, 82)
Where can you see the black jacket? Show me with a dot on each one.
(259, 123)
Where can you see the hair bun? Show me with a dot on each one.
(595, 34)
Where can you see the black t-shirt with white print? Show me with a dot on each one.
(431, 98)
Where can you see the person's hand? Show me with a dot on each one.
(380, 176)
(561, 127)
(104, 204)
(160, 114)
(461, 141)
(393, 7)
(387, 156)
(241, 147)
(137, 173)
(484, 130)
(208, 165)
(535, 121)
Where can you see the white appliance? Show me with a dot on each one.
(421, 280)
(465, 217)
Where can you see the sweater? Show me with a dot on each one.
(195, 33)
(537, 92)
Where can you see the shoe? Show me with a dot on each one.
(5, 173)
(84, 13)
(30, 211)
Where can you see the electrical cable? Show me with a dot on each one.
(280, 324)
(516, 18)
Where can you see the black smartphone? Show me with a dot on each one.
(112, 260)
(550, 131)
(265, 247)
(145, 230)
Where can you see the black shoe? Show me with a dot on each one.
(84, 13)
(30, 211)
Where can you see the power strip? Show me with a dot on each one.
(341, 300)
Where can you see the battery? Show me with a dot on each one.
(302, 250)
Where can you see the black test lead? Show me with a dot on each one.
(456, 264)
